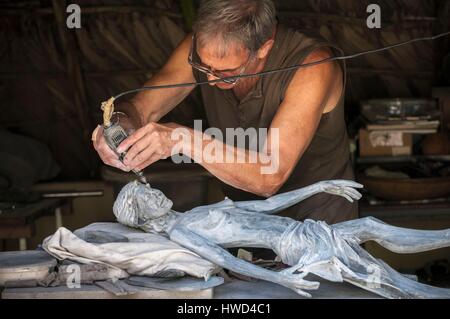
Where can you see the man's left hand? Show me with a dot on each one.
(148, 145)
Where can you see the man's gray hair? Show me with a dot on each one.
(249, 22)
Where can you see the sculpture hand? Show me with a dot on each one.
(342, 188)
(296, 282)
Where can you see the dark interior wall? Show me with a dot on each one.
(408, 71)
(53, 80)
(120, 45)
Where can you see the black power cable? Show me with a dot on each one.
(293, 67)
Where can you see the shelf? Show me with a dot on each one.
(400, 159)
(398, 211)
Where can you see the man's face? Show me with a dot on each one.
(234, 62)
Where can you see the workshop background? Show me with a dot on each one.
(53, 79)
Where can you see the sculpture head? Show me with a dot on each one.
(137, 205)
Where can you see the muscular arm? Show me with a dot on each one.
(149, 106)
(312, 92)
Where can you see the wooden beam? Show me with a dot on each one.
(87, 74)
(390, 72)
(441, 46)
(74, 72)
(17, 231)
(406, 21)
(189, 12)
(403, 22)
(96, 10)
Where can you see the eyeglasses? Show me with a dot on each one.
(227, 76)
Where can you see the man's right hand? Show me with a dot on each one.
(107, 155)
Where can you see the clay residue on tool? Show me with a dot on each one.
(108, 109)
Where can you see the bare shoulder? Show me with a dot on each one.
(324, 80)
(325, 72)
(319, 54)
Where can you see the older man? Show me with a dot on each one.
(304, 108)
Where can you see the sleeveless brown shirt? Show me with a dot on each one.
(327, 156)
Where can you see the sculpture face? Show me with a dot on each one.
(138, 204)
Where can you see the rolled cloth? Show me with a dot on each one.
(143, 254)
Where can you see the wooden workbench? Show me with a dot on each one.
(236, 289)
(19, 221)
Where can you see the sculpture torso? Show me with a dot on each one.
(234, 227)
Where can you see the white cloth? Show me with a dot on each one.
(144, 254)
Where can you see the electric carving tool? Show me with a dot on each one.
(116, 134)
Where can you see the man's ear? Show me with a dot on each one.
(265, 49)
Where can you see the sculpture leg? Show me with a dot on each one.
(334, 253)
(356, 266)
(385, 281)
(396, 239)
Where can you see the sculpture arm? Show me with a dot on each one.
(223, 258)
(279, 202)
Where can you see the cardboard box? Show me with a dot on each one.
(384, 143)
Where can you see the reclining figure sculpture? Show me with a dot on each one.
(310, 247)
